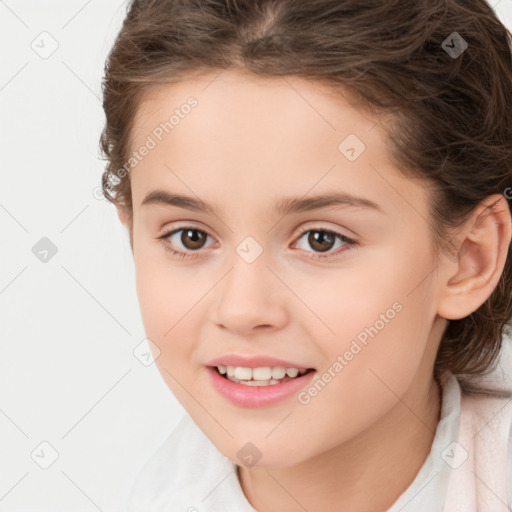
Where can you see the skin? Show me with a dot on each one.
(364, 437)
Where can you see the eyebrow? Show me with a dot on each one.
(284, 206)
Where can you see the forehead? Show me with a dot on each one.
(239, 99)
(280, 135)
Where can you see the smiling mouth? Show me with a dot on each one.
(263, 376)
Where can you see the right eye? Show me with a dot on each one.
(190, 238)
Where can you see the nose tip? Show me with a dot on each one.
(249, 299)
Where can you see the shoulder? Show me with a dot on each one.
(486, 429)
(488, 409)
(174, 474)
(488, 416)
(488, 401)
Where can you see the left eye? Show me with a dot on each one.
(193, 239)
(323, 240)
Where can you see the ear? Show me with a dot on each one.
(126, 219)
(481, 250)
(122, 214)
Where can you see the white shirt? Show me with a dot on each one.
(469, 468)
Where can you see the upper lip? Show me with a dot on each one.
(248, 361)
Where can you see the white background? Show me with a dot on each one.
(68, 374)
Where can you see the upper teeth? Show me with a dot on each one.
(262, 373)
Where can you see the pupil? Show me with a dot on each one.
(316, 238)
(197, 239)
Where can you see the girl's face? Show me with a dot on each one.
(348, 289)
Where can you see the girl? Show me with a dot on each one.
(317, 196)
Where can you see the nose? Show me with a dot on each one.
(251, 298)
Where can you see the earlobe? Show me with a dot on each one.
(482, 252)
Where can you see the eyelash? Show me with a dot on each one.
(349, 243)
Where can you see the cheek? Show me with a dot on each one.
(169, 306)
(166, 303)
(380, 320)
(169, 298)
(375, 294)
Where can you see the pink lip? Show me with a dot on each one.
(253, 362)
(258, 396)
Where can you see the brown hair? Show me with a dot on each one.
(449, 119)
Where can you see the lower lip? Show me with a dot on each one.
(257, 396)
